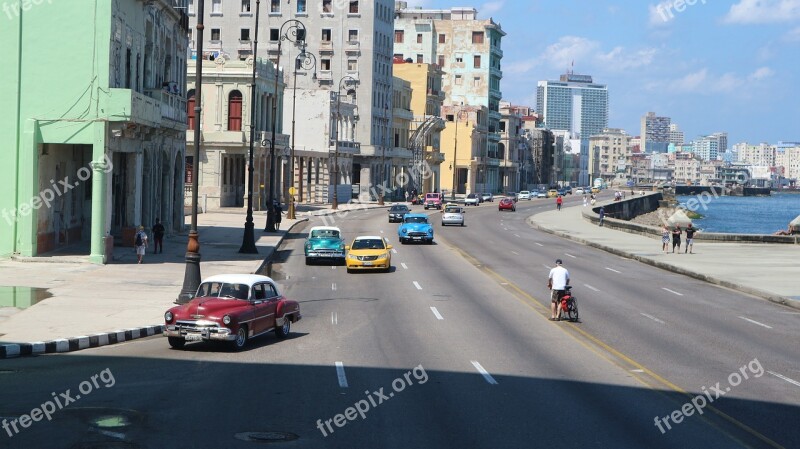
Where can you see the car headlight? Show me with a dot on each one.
(403, 230)
(352, 257)
(168, 317)
(430, 231)
(226, 320)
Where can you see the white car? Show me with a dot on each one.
(579, 191)
(541, 195)
(472, 199)
(453, 215)
(524, 195)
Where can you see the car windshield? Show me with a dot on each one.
(324, 234)
(368, 244)
(399, 209)
(224, 290)
(471, 195)
(452, 210)
(416, 220)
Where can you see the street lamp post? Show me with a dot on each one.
(342, 82)
(248, 240)
(455, 152)
(294, 31)
(306, 61)
(191, 277)
(383, 155)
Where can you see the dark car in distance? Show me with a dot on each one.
(397, 212)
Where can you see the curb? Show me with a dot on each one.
(778, 299)
(271, 251)
(8, 351)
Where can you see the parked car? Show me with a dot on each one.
(487, 197)
(552, 193)
(453, 215)
(472, 199)
(512, 195)
(541, 195)
(397, 212)
(415, 228)
(595, 189)
(579, 191)
(369, 252)
(433, 201)
(507, 204)
(233, 308)
(324, 243)
(524, 195)
(565, 191)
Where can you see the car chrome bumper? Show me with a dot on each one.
(200, 334)
(325, 255)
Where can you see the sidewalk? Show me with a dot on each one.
(765, 270)
(92, 305)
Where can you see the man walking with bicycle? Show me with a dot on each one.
(557, 282)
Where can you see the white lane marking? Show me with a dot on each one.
(333, 286)
(570, 255)
(591, 288)
(504, 283)
(779, 376)
(394, 251)
(517, 236)
(416, 284)
(755, 322)
(652, 318)
(483, 372)
(333, 267)
(615, 271)
(515, 253)
(637, 370)
(340, 374)
(546, 266)
(381, 232)
(672, 291)
(436, 312)
(791, 313)
(505, 229)
(334, 318)
(403, 265)
(538, 243)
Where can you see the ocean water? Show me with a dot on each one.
(748, 214)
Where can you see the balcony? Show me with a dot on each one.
(497, 73)
(173, 107)
(434, 157)
(346, 147)
(352, 47)
(326, 47)
(403, 114)
(496, 51)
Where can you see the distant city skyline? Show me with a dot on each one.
(711, 67)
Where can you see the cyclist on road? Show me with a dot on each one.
(557, 282)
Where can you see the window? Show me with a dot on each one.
(191, 6)
(442, 38)
(325, 64)
(353, 7)
(459, 58)
(419, 38)
(258, 292)
(326, 6)
(352, 65)
(215, 34)
(271, 291)
(190, 104)
(235, 111)
(326, 35)
(398, 36)
(441, 61)
(458, 80)
(274, 34)
(275, 6)
(301, 6)
(245, 35)
(419, 59)
(245, 5)
(476, 61)
(398, 56)
(352, 36)
(216, 7)
(477, 37)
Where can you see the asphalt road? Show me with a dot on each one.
(452, 349)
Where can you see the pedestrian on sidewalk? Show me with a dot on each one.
(559, 201)
(278, 212)
(585, 200)
(665, 239)
(158, 236)
(602, 214)
(689, 238)
(140, 242)
(676, 239)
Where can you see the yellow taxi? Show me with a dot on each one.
(369, 252)
(595, 189)
(552, 193)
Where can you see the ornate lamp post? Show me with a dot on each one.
(306, 61)
(383, 155)
(294, 31)
(455, 152)
(191, 277)
(342, 83)
(248, 240)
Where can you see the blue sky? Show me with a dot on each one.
(715, 66)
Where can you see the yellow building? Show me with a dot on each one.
(464, 141)
(424, 139)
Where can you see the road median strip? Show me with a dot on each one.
(11, 350)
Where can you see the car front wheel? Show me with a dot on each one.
(283, 331)
(241, 338)
(176, 342)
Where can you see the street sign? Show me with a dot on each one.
(291, 190)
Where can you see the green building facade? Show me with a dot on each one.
(92, 123)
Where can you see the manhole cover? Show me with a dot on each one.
(266, 437)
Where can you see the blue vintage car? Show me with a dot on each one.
(324, 243)
(415, 228)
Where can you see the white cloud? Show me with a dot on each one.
(489, 8)
(690, 82)
(763, 11)
(617, 59)
(567, 50)
(660, 14)
(702, 81)
(793, 35)
(761, 73)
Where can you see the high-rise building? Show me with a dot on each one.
(351, 40)
(709, 148)
(468, 50)
(762, 154)
(675, 135)
(574, 103)
(610, 155)
(655, 133)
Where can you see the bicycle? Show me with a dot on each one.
(568, 305)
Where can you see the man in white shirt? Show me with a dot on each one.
(557, 282)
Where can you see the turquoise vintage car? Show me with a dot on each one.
(415, 228)
(324, 243)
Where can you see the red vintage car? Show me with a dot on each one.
(232, 308)
(507, 204)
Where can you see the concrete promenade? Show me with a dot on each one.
(766, 270)
(88, 299)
